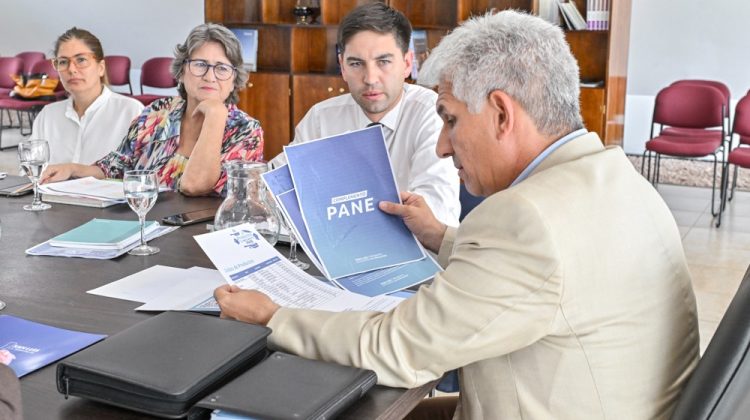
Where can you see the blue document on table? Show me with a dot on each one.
(339, 182)
(26, 346)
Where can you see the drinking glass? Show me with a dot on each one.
(34, 156)
(141, 189)
(293, 249)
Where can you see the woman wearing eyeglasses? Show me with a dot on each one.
(185, 139)
(93, 120)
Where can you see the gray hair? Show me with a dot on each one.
(521, 55)
(211, 32)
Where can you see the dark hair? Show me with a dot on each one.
(375, 17)
(211, 32)
(87, 38)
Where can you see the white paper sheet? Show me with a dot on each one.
(194, 291)
(244, 258)
(143, 285)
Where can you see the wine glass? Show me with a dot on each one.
(34, 156)
(293, 249)
(141, 189)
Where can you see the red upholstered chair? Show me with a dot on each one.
(30, 58)
(740, 155)
(698, 108)
(31, 107)
(156, 73)
(727, 101)
(118, 71)
(8, 66)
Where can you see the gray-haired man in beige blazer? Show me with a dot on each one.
(566, 293)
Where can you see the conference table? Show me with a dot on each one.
(52, 290)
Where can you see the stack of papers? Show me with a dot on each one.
(99, 239)
(329, 194)
(162, 288)
(89, 192)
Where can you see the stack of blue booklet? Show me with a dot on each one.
(329, 193)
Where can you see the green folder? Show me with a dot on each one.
(103, 234)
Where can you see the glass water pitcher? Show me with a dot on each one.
(247, 200)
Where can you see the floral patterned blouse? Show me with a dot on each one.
(154, 136)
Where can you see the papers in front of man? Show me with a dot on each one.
(245, 259)
(370, 283)
(98, 253)
(89, 192)
(162, 288)
(339, 182)
(26, 346)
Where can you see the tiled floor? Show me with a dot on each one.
(718, 258)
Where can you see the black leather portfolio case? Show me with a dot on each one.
(165, 364)
(284, 386)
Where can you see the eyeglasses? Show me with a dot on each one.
(199, 68)
(81, 61)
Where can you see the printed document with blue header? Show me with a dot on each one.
(339, 182)
(26, 346)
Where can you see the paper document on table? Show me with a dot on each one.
(141, 286)
(193, 291)
(244, 258)
(86, 187)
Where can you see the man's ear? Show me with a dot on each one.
(503, 109)
(409, 59)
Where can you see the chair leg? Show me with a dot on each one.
(715, 212)
(657, 169)
(734, 183)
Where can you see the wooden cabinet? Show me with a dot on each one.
(312, 88)
(298, 67)
(266, 98)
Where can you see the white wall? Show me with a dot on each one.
(682, 39)
(139, 29)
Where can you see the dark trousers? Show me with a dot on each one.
(437, 408)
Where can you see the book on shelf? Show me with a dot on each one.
(418, 45)
(549, 11)
(249, 41)
(103, 234)
(573, 18)
(597, 15)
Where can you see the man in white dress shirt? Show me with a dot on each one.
(375, 59)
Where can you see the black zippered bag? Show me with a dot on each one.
(164, 365)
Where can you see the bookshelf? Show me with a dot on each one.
(297, 64)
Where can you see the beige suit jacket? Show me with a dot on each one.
(566, 296)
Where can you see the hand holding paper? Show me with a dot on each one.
(249, 306)
(418, 218)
